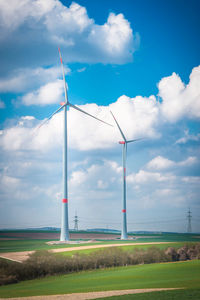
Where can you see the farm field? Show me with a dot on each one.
(163, 275)
(17, 245)
(28, 240)
(159, 275)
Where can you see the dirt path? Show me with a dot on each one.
(103, 246)
(92, 295)
(22, 256)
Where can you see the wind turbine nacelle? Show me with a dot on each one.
(122, 142)
(62, 103)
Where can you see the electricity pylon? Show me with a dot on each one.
(189, 217)
(75, 222)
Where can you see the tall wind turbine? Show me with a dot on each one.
(124, 235)
(64, 236)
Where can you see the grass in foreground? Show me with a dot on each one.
(180, 274)
(184, 294)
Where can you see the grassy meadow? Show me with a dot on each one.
(14, 244)
(169, 275)
(182, 274)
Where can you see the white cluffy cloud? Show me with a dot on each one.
(50, 93)
(96, 176)
(180, 100)
(161, 163)
(144, 176)
(85, 133)
(188, 137)
(51, 23)
(138, 117)
(22, 80)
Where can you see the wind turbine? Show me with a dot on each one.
(64, 236)
(124, 235)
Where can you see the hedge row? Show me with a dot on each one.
(43, 263)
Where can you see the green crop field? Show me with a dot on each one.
(168, 275)
(28, 244)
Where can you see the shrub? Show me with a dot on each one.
(172, 254)
(182, 253)
(43, 263)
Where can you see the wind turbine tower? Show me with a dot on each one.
(124, 235)
(64, 235)
(189, 217)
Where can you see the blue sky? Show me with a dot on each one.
(139, 59)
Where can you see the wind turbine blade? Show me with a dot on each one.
(55, 112)
(130, 141)
(77, 108)
(63, 71)
(118, 126)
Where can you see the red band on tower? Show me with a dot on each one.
(64, 200)
(123, 210)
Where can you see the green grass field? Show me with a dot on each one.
(29, 245)
(169, 275)
(25, 244)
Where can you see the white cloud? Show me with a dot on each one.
(188, 137)
(81, 70)
(115, 166)
(191, 179)
(77, 178)
(86, 133)
(164, 192)
(188, 162)
(21, 80)
(16, 138)
(7, 181)
(180, 100)
(91, 134)
(24, 135)
(161, 163)
(146, 177)
(117, 37)
(102, 184)
(50, 93)
(130, 111)
(26, 121)
(50, 23)
(138, 117)
(2, 104)
(95, 177)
